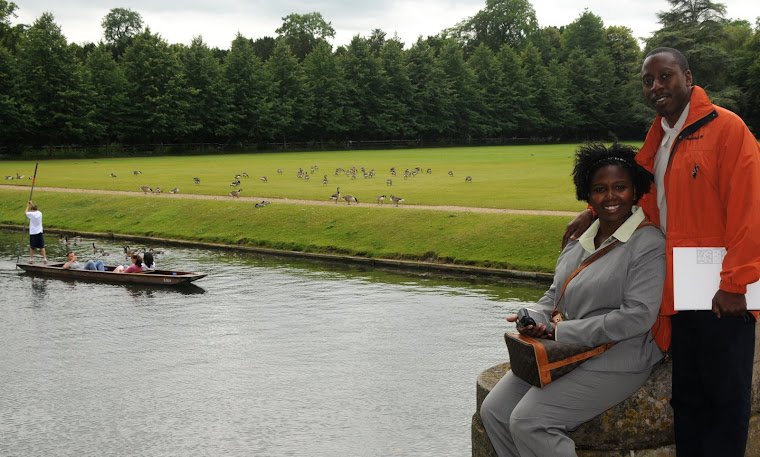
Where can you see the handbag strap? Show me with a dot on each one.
(591, 260)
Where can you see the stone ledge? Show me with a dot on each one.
(640, 426)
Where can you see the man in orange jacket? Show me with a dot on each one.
(706, 165)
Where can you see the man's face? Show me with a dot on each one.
(667, 88)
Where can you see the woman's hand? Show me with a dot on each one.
(533, 331)
(577, 226)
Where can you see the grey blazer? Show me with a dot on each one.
(616, 298)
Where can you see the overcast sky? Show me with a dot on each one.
(218, 21)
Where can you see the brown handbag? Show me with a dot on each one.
(539, 361)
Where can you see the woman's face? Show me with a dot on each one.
(612, 194)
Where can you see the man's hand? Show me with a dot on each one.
(727, 304)
(577, 226)
(533, 331)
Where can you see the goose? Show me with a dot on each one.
(155, 251)
(8, 177)
(262, 204)
(388, 182)
(468, 179)
(235, 183)
(279, 171)
(396, 200)
(238, 176)
(451, 173)
(197, 180)
(324, 181)
(236, 193)
(97, 250)
(335, 196)
(380, 199)
(18, 176)
(137, 172)
(146, 189)
(113, 175)
(264, 179)
(64, 240)
(158, 190)
(174, 191)
(350, 198)
(429, 171)
(129, 251)
(245, 175)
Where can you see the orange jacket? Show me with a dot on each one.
(712, 187)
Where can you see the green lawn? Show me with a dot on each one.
(517, 177)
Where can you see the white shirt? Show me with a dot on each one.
(35, 222)
(623, 233)
(661, 160)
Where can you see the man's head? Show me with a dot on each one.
(71, 255)
(666, 81)
(33, 208)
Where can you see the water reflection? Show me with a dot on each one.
(265, 356)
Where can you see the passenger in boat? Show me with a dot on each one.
(148, 263)
(134, 268)
(74, 264)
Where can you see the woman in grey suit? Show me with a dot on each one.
(616, 298)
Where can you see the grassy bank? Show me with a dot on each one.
(528, 243)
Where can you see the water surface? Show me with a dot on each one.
(264, 357)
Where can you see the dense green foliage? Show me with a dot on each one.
(497, 75)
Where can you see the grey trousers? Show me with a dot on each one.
(526, 421)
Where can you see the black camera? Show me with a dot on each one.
(527, 316)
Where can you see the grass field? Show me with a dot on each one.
(517, 177)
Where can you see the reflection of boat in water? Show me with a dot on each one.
(150, 278)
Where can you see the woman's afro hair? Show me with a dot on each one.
(592, 156)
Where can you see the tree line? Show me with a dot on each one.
(497, 75)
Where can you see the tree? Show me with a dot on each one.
(491, 115)
(366, 114)
(264, 47)
(516, 95)
(302, 32)
(501, 22)
(209, 97)
(54, 88)
(585, 33)
(120, 26)
(159, 98)
(251, 93)
(399, 92)
(15, 114)
(9, 35)
(326, 85)
(292, 105)
(109, 88)
(460, 81)
(431, 108)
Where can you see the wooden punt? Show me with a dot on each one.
(151, 278)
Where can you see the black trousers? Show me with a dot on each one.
(712, 383)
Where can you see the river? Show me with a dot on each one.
(264, 357)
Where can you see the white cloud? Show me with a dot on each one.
(219, 21)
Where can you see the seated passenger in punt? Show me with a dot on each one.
(74, 264)
(136, 266)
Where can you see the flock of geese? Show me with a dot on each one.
(306, 175)
(68, 243)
